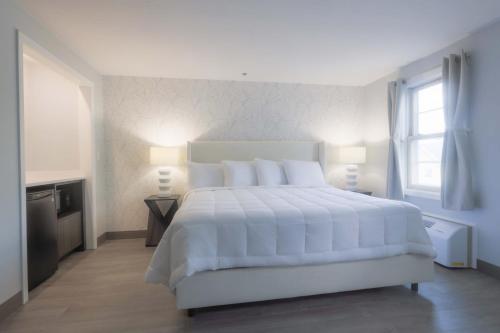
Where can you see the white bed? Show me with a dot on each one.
(245, 244)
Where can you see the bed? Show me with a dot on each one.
(230, 245)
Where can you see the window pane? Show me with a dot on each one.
(430, 97)
(431, 122)
(429, 150)
(429, 174)
(425, 162)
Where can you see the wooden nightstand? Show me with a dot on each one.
(161, 212)
(362, 192)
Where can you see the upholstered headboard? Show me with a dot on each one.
(216, 151)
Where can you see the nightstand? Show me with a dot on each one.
(161, 212)
(362, 192)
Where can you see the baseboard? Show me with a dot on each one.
(11, 305)
(110, 235)
(113, 235)
(487, 268)
(101, 239)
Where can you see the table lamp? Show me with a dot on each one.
(164, 157)
(352, 156)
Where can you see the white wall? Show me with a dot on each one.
(140, 112)
(12, 18)
(376, 135)
(485, 124)
(51, 119)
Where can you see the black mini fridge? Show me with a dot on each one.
(42, 236)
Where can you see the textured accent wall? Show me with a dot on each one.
(140, 112)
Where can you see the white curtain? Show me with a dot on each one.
(456, 173)
(395, 96)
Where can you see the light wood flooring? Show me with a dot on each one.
(103, 291)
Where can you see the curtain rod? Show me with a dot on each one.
(466, 57)
(464, 54)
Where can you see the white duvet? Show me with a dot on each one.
(218, 228)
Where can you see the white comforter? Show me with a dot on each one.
(218, 228)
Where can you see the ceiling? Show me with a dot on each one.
(344, 42)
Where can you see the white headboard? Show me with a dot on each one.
(216, 151)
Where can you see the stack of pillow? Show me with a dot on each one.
(255, 173)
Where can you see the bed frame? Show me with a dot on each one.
(242, 285)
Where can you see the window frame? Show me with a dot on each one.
(412, 136)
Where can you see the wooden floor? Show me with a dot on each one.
(103, 291)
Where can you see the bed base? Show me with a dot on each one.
(245, 285)
(193, 311)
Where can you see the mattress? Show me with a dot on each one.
(220, 228)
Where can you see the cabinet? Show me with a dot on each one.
(69, 229)
(70, 208)
(56, 215)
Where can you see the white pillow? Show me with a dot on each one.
(270, 173)
(239, 173)
(304, 173)
(205, 175)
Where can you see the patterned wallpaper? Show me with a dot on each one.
(140, 112)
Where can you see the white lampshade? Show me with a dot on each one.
(352, 155)
(164, 155)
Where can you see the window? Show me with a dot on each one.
(425, 140)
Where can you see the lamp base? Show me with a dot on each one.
(351, 178)
(164, 188)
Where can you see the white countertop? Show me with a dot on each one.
(37, 178)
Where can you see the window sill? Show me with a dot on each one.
(423, 194)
